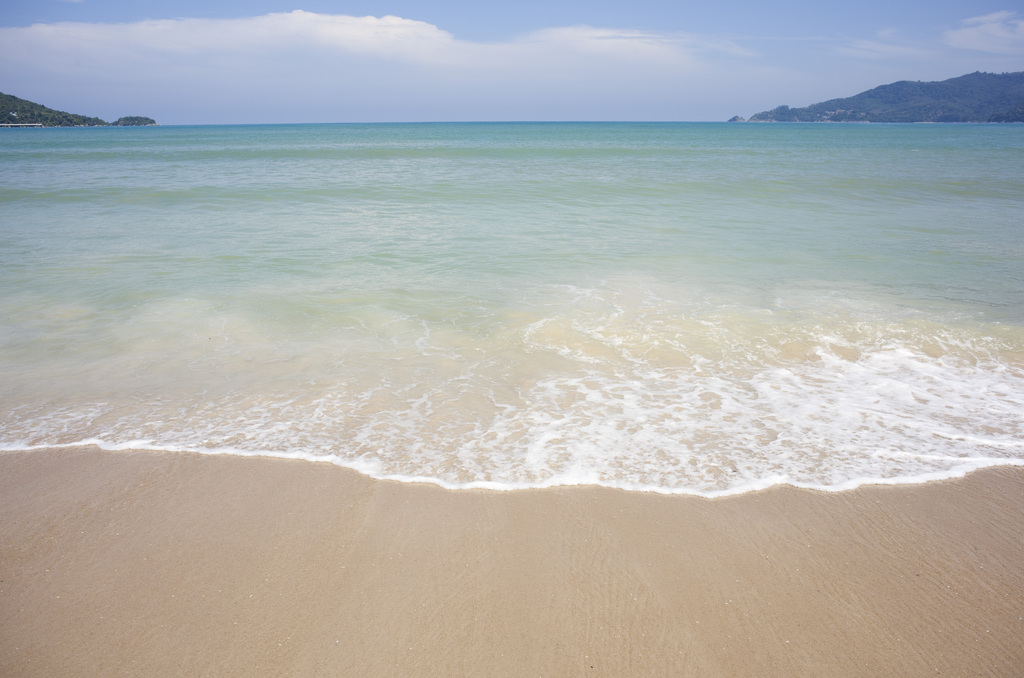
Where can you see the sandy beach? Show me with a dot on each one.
(168, 564)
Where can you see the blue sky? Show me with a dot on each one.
(320, 61)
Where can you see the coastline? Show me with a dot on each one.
(164, 564)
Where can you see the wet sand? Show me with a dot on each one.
(150, 564)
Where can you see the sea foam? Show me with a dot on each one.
(627, 389)
(678, 308)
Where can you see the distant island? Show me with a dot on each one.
(976, 97)
(15, 112)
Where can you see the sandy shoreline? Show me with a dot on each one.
(149, 564)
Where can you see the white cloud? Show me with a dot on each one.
(360, 66)
(639, 46)
(888, 43)
(994, 17)
(997, 33)
(388, 36)
(305, 42)
(878, 49)
(307, 67)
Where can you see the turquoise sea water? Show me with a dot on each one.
(699, 308)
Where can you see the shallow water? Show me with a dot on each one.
(699, 308)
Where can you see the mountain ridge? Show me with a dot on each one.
(975, 97)
(21, 112)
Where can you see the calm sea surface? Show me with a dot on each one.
(699, 308)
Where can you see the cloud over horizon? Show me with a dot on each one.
(304, 67)
(389, 38)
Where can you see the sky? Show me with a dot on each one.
(267, 61)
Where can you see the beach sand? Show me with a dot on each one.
(171, 564)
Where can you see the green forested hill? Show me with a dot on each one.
(15, 111)
(976, 97)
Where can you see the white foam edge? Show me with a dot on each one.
(367, 468)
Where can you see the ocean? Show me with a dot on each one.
(675, 307)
